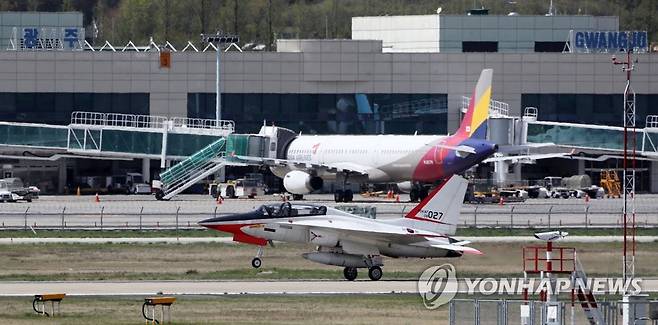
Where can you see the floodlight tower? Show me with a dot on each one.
(630, 145)
(217, 40)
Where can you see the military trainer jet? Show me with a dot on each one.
(352, 241)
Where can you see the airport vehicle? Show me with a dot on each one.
(12, 190)
(575, 186)
(130, 183)
(415, 162)
(249, 187)
(352, 241)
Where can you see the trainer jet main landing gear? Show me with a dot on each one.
(256, 262)
(373, 263)
(375, 273)
(350, 273)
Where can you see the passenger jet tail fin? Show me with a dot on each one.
(474, 124)
(439, 211)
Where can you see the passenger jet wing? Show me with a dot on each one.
(343, 167)
(525, 158)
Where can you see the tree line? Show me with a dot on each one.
(263, 21)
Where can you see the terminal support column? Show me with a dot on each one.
(61, 179)
(146, 169)
(581, 167)
(654, 176)
(500, 170)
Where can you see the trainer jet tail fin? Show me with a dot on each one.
(439, 211)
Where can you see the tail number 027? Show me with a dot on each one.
(436, 215)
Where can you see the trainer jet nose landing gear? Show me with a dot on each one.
(256, 262)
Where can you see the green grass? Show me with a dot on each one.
(110, 233)
(259, 309)
(193, 274)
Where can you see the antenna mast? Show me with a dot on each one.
(630, 145)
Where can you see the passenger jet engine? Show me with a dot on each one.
(299, 182)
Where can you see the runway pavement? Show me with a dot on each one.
(19, 288)
(229, 240)
(136, 288)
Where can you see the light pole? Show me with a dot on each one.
(218, 39)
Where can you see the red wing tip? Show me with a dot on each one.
(473, 251)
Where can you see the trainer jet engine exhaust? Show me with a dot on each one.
(304, 161)
(354, 242)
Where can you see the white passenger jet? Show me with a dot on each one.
(351, 241)
(304, 162)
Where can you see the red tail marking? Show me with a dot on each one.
(423, 203)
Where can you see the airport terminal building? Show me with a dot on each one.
(401, 74)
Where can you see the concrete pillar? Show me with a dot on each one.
(146, 170)
(61, 177)
(581, 167)
(517, 172)
(654, 176)
(115, 168)
(500, 171)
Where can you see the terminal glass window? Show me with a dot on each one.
(56, 108)
(328, 113)
(550, 46)
(479, 46)
(600, 109)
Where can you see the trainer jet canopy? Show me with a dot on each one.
(351, 241)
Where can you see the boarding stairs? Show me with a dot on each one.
(196, 167)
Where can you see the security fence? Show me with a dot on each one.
(177, 217)
(504, 312)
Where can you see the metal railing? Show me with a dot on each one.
(651, 121)
(510, 311)
(147, 121)
(530, 112)
(201, 123)
(118, 120)
(496, 108)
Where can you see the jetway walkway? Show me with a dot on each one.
(93, 134)
(587, 137)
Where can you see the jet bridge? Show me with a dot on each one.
(528, 138)
(97, 135)
(94, 135)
